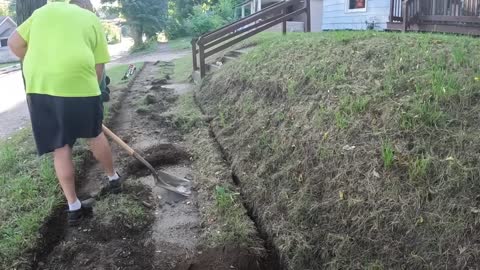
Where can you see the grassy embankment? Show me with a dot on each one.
(357, 149)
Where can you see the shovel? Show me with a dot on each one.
(162, 179)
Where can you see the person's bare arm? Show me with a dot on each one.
(100, 68)
(18, 45)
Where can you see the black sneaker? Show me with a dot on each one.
(86, 210)
(115, 186)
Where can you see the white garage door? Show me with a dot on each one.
(316, 9)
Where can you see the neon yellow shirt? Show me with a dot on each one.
(64, 44)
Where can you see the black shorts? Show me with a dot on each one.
(58, 121)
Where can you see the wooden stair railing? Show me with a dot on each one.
(233, 33)
(406, 12)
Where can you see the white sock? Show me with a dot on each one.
(75, 206)
(114, 177)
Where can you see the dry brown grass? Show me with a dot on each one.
(358, 149)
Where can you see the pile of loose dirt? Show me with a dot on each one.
(357, 150)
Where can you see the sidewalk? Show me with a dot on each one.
(12, 68)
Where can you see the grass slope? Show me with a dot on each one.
(28, 194)
(358, 149)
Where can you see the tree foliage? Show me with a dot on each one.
(195, 17)
(144, 16)
(25, 8)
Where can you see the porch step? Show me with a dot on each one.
(212, 67)
(227, 59)
(235, 53)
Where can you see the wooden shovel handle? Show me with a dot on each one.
(118, 140)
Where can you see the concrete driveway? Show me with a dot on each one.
(13, 106)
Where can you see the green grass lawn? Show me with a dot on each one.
(183, 69)
(28, 194)
(147, 47)
(180, 44)
(116, 73)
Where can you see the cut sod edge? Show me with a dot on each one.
(53, 230)
(273, 255)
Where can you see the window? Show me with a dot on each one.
(3, 42)
(356, 5)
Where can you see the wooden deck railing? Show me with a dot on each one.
(440, 12)
(231, 34)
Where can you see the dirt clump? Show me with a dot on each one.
(158, 154)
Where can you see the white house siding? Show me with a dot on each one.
(316, 10)
(336, 17)
(6, 56)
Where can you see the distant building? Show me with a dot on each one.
(7, 26)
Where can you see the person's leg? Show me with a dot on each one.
(65, 172)
(103, 153)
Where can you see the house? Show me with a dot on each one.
(256, 16)
(454, 16)
(331, 14)
(7, 26)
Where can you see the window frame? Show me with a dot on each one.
(6, 42)
(355, 10)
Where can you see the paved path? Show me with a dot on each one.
(13, 106)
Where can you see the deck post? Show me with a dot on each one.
(203, 66)
(405, 15)
(309, 16)
(392, 3)
(194, 54)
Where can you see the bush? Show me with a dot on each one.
(175, 29)
(113, 33)
(203, 21)
(225, 9)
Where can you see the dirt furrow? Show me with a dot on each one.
(145, 227)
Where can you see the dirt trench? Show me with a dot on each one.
(145, 227)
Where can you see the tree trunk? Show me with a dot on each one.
(25, 8)
(138, 36)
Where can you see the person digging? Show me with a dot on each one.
(64, 50)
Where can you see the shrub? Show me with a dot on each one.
(113, 33)
(175, 29)
(202, 21)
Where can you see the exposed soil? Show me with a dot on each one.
(145, 227)
(224, 258)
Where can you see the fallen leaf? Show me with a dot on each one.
(349, 147)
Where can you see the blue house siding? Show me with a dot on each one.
(336, 17)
